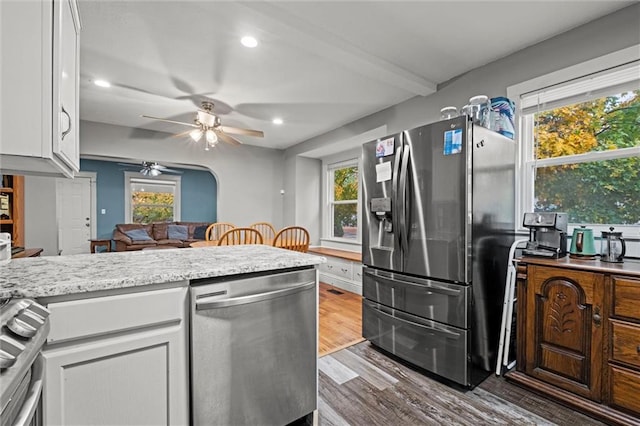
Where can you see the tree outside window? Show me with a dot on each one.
(344, 202)
(574, 169)
(151, 200)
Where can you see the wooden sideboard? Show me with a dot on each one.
(578, 335)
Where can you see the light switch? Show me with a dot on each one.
(103, 211)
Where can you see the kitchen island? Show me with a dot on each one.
(119, 348)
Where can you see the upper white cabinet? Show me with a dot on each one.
(39, 87)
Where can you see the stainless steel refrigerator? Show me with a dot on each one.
(438, 222)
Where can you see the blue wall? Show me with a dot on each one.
(198, 189)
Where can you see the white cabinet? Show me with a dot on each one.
(342, 273)
(119, 359)
(39, 82)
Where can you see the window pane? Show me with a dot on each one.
(345, 221)
(152, 206)
(599, 192)
(345, 184)
(606, 123)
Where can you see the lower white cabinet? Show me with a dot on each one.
(342, 273)
(118, 360)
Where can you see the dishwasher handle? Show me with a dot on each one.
(206, 302)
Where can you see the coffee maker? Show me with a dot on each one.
(547, 234)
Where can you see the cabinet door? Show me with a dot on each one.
(139, 378)
(564, 329)
(66, 84)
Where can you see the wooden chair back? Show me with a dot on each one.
(215, 230)
(265, 228)
(294, 238)
(237, 236)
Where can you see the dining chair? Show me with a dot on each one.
(294, 238)
(266, 229)
(215, 230)
(237, 236)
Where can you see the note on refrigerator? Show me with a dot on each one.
(383, 171)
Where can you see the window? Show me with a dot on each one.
(152, 200)
(581, 148)
(343, 200)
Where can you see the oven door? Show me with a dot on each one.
(24, 406)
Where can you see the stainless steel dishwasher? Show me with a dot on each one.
(254, 349)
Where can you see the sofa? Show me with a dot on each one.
(134, 236)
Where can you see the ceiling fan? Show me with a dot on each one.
(209, 125)
(151, 168)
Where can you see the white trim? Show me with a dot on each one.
(327, 211)
(589, 67)
(627, 62)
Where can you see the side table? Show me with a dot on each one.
(100, 243)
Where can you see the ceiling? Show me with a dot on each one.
(318, 64)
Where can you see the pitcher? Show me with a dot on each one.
(612, 246)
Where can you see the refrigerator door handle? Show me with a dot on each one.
(396, 197)
(404, 238)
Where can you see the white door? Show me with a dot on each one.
(74, 214)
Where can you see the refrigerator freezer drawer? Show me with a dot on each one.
(430, 299)
(427, 344)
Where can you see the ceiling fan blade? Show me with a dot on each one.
(166, 170)
(129, 164)
(206, 118)
(228, 139)
(181, 134)
(238, 131)
(170, 121)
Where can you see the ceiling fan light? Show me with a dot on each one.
(196, 134)
(155, 172)
(248, 41)
(212, 139)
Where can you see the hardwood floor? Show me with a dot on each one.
(361, 385)
(340, 318)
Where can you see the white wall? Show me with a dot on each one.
(611, 33)
(41, 228)
(249, 178)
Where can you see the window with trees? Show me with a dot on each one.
(343, 200)
(581, 148)
(152, 200)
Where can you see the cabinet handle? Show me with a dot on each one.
(597, 319)
(638, 349)
(66, 132)
(344, 269)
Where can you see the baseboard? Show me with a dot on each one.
(353, 287)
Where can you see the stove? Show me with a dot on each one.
(24, 328)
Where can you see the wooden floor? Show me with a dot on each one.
(361, 385)
(340, 318)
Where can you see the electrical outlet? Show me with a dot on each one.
(103, 211)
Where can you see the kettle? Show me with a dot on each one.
(582, 243)
(612, 246)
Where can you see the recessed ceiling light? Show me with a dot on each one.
(102, 83)
(248, 41)
(277, 121)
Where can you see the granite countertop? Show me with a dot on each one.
(82, 273)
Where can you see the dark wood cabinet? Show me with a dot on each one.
(578, 335)
(12, 208)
